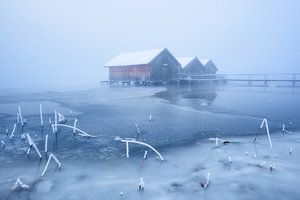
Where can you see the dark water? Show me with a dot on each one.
(179, 116)
(278, 104)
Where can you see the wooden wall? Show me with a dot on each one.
(130, 73)
(164, 67)
(211, 68)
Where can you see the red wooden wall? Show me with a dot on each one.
(130, 73)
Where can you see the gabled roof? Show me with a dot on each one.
(134, 58)
(184, 61)
(204, 61)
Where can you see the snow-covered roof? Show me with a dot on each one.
(134, 58)
(184, 61)
(204, 61)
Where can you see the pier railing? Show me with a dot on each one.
(282, 79)
(264, 78)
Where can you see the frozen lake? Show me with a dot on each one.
(182, 121)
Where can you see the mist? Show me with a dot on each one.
(66, 43)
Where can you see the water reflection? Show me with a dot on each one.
(196, 97)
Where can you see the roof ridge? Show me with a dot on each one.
(134, 57)
(184, 61)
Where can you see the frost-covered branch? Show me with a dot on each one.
(264, 122)
(19, 185)
(32, 144)
(48, 162)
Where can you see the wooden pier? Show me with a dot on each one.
(261, 79)
(126, 83)
(280, 79)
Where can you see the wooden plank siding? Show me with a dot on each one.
(211, 68)
(162, 68)
(130, 73)
(165, 67)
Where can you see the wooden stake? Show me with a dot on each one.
(41, 116)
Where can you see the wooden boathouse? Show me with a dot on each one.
(210, 67)
(191, 65)
(150, 66)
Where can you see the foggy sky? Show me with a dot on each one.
(52, 43)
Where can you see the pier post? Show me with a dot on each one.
(249, 80)
(266, 79)
(294, 80)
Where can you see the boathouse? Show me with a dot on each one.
(191, 66)
(157, 65)
(210, 67)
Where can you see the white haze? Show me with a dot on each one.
(65, 43)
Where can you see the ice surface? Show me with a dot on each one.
(32, 107)
(179, 177)
(97, 168)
